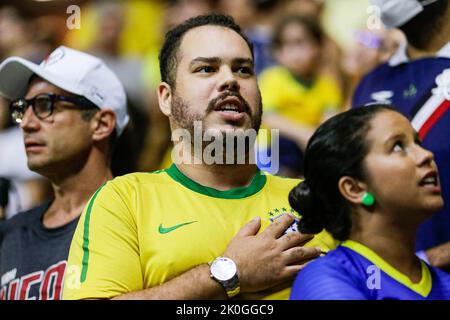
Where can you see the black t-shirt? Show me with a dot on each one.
(33, 258)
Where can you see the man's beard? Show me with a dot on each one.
(184, 117)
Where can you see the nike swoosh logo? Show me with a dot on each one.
(163, 230)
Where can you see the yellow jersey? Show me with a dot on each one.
(283, 94)
(143, 229)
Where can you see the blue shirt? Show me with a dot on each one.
(354, 272)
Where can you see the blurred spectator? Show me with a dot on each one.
(141, 30)
(107, 47)
(24, 189)
(311, 8)
(18, 37)
(296, 96)
(331, 53)
(178, 11)
(15, 34)
(257, 18)
(371, 48)
(129, 70)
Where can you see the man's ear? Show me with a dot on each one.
(103, 123)
(165, 98)
(351, 189)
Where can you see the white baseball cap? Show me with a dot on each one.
(395, 13)
(71, 70)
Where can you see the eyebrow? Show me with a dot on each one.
(394, 137)
(217, 60)
(403, 135)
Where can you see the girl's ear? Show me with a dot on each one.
(351, 189)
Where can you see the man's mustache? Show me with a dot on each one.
(213, 103)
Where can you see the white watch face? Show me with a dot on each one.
(223, 269)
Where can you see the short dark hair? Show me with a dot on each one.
(168, 55)
(336, 149)
(310, 24)
(426, 23)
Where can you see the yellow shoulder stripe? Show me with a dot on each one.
(423, 287)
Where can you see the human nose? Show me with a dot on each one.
(228, 80)
(29, 121)
(424, 156)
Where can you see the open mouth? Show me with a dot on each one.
(229, 108)
(230, 104)
(430, 180)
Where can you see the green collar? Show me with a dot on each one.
(256, 185)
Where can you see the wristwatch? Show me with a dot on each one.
(224, 271)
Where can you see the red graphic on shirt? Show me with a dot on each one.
(50, 284)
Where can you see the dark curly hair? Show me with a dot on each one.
(337, 149)
(168, 56)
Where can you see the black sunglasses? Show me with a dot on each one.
(43, 105)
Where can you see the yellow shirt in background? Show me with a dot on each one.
(283, 94)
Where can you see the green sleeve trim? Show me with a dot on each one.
(87, 218)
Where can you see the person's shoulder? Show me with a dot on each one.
(337, 261)
(379, 71)
(388, 72)
(325, 268)
(24, 218)
(335, 258)
(381, 75)
(124, 187)
(333, 276)
(138, 178)
(281, 182)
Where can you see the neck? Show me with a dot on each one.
(439, 40)
(393, 241)
(305, 79)
(72, 192)
(220, 177)
(414, 53)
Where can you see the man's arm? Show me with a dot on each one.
(193, 284)
(262, 260)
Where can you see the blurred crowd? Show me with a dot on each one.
(300, 46)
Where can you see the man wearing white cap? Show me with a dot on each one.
(416, 80)
(71, 108)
